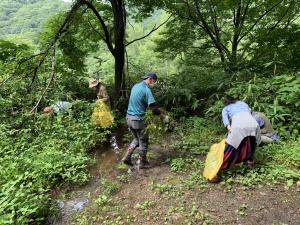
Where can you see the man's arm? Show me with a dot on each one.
(155, 109)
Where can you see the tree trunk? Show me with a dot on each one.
(119, 51)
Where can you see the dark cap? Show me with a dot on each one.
(151, 75)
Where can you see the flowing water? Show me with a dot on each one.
(104, 162)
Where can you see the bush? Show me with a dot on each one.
(39, 152)
(278, 97)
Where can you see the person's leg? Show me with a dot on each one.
(250, 159)
(143, 139)
(132, 146)
(135, 142)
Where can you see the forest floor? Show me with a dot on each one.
(168, 194)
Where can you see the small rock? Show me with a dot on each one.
(211, 210)
(61, 204)
(262, 193)
(177, 216)
(298, 183)
(80, 205)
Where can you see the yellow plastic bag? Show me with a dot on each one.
(214, 160)
(102, 116)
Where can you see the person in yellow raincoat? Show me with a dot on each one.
(102, 115)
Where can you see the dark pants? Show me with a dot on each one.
(244, 153)
(141, 138)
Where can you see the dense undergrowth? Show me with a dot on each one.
(277, 96)
(38, 153)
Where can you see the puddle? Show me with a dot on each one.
(72, 205)
(105, 160)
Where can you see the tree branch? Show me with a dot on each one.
(219, 45)
(192, 18)
(213, 17)
(18, 66)
(281, 18)
(94, 29)
(62, 29)
(105, 29)
(50, 81)
(259, 18)
(153, 29)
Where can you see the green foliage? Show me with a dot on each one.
(22, 198)
(108, 187)
(24, 19)
(234, 34)
(145, 205)
(155, 127)
(184, 164)
(9, 51)
(280, 50)
(162, 188)
(286, 154)
(277, 96)
(102, 200)
(39, 152)
(12, 54)
(193, 131)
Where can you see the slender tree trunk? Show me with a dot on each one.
(119, 51)
(235, 38)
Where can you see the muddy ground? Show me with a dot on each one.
(160, 196)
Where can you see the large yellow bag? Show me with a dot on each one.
(102, 116)
(214, 160)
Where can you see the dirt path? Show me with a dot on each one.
(160, 196)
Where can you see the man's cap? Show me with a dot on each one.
(93, 83)
(151, 75)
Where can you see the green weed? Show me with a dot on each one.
(102, 200)
(145, 205)
(38, 153)
(108, 187)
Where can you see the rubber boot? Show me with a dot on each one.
(127, 157)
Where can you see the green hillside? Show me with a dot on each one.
(23, 19)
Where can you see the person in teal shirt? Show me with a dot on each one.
(140, 99)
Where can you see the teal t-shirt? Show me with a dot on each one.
(140, 98)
